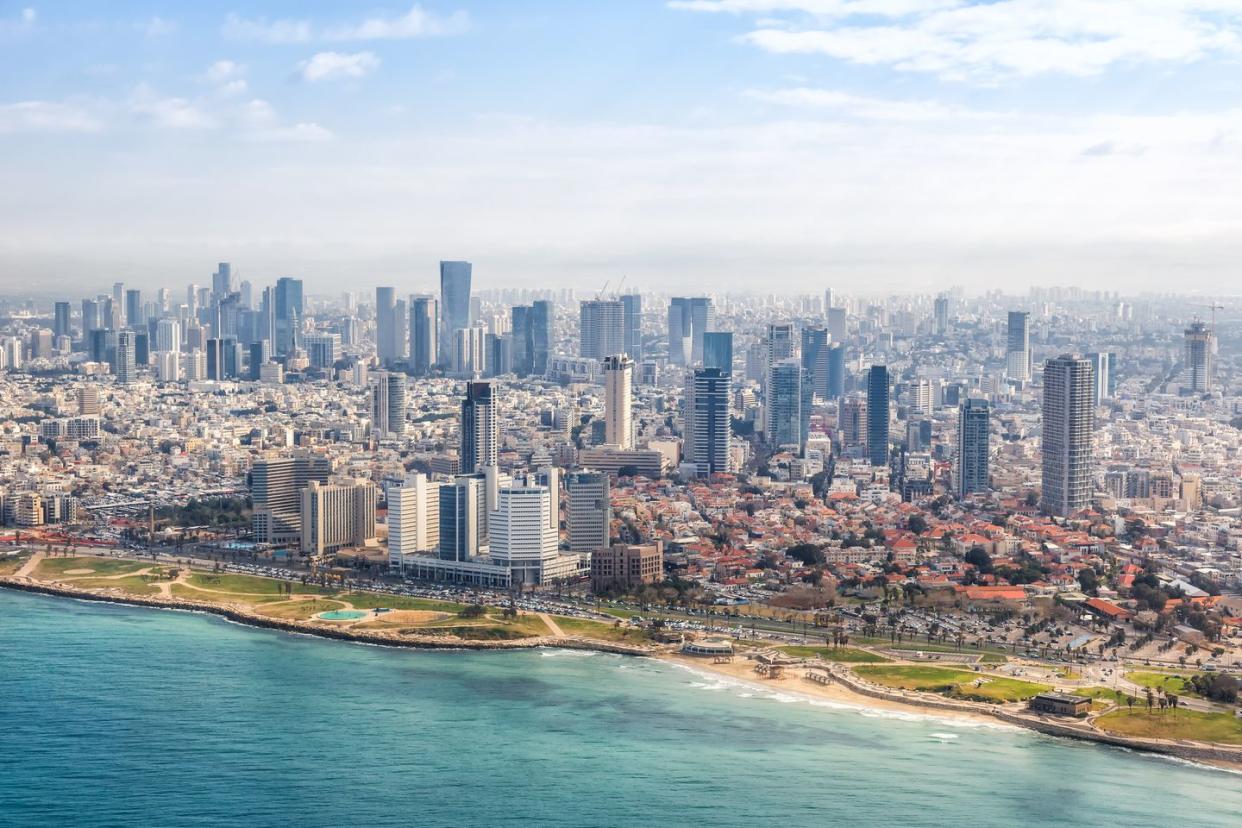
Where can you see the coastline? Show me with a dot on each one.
(838, 685)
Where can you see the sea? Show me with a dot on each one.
(122, 716)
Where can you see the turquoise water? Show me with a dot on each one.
(122, 716)
(342, 615)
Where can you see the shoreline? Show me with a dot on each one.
(840, 687)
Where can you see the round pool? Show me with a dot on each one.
(342, 615)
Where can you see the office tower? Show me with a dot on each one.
(1068, 420)
(480, 432)
(497, 355)
(972, 447)
(276, 485)
(590, 510)
(454, 303)
(632, 321)
(718, 350)
(60, 323)
(601, 331)
(118, 305)
(469, 357)
(388, 403)
(541, 321)
(323, 349)
(413, 518)
(779, 342)
(707, 424)
(520, 318)
(88, 401)
(1200, 343)
(90, 316)
(940, 316)
(837, 324)
(245, 291)
(920, 396)
(168, 335)
(852, 422)
(337, 516)
(96, 345)
(289, 313)
(168, 366)
(385, 327)
(829, 301)
(142, 348)
(836, 370)
(1018, 350)
(41, 344)
(688, 319)
(787, 405)
(424, 330)
(1102, 363)
(815, 358)
(222, 281)
(877, 415)
(463, 518)
(126, 358)
(194, 366)
(134, 316)
(520, 535)
(216, 369)
(618, 401)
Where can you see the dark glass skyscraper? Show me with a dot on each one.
(815, 358)
(480, 436)
(454, 303)
(632, 313)
(972, 447)
(60, 322)
(707, 427)
(290, 310)
(541, 336)
(385, 325)
(836, 371)
(424, 326)
(688, 320)
(718, 351)
(523, 349)
(877, 415)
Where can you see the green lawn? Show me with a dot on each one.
(1168, 682)
(57, 567)
(301, 610)
(959, 683)
(992, 689)
(599, 630)
(372, 600)
(248, 584)
(133, 584)
(848, 655)
(1179, 724)
(993, 658)
(185, 591)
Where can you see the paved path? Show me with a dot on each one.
(552, 625)
(29, 565)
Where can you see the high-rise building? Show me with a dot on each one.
(60, 321)
(878, 414)
(619, 401)
(718, 350)
(1199, 348)
(454, 304)
(838, 321)
(323, 349)
(940, 315)
(385, 325)
(523, 348)
(590, 510)
(388, 395)
(480, 430)
(134, 316)
(541, 320)
(463, 518)
(168, 335)
(836, 370)
(337, 516)
(276, 485)
(118, 305)
(413, 518)
(973, 451)
(852, 422)
(787, 404)
(815, 358)
(90, 316)
(1068, 420)
(1103, 365)
(602, 328)
(1018, 349)
(688, 319)
(632, 321)
(424, 330)
(289, 313)
(707, 423)
(126, 357)
(221, 281)
(520, 533)
(88, 401)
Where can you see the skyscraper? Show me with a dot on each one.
(837, 324)
(815, 358)
(602, 328)
(388, 392)
(632, 322)
(323, 350)
(90, 317)
(463, 518)
(1068, 420)
(275, 490)
(718, 350)
(836, 370)
(523, 350)
(1200, 342)
(126, 357)
(541, 319)
(972, 447)
(454, 304)
(135, 318)
(1102, 388)
(940, 317)
(1018, 349)
(385, 325)
(877, 415)
(852, 422)
(689, 318)
(480, 431)
(289, 312)
(60, 320)
(337, 516)
(618, 401)
(413, 518)
(118, 305)
(520, 533)
(424, 328)
(707, 424)
(221, 281)
(787, 404)
(590, 510)
(168, 335)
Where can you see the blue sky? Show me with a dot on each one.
(892, 143)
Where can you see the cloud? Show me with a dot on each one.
(859, 106)
(46, 116)
(170, 112)
(416, 23)
(158, 27)
(257, 122)
(990, 41)
(335, 65)
(23, 22)
(227, 76)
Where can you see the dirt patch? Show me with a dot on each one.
(78, 571)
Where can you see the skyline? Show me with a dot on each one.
(680, 144)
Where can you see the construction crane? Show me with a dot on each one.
(1214, 308)
(600, 295)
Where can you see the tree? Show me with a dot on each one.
(980, 559)
(917, 524)
(1088, 580)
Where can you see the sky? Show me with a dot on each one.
(768, 145)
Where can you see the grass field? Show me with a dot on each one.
(959, 683)
(185, 591)
(368, 600)
(301, 610)
(57, 567)
(11, 563)
(848, 655)
(1179, 724)
(599, 630)
(248, 584)
(132, 584)
(1168, 682)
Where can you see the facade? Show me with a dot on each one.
(602, 328)
(590, 510)
(1103, 387)
(718, 351)
(413, 518)
(632, 318)
(852, 422)
(787, 407)
(388, 399)
(275, 492)
(1200, 344)
(520, 534)
(454, 303)
(1068, 422)
(385, 325)
(337, 516)
(623, 567)
(480, 434)
(878, 415)
(707, 421)
(126, 358)
(619, 401)
(1018, 349)
(689, 318)
(973, 450)
(424, 330)
(815, 358)
(463, 518)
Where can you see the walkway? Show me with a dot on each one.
(552, 625)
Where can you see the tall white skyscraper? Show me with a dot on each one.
(601, 328)
(413, 518)
(168, 335)
(388, 403)
(1068, 422)
(1018, 348)
(520, 532)
(618, 401)
(480, 428)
